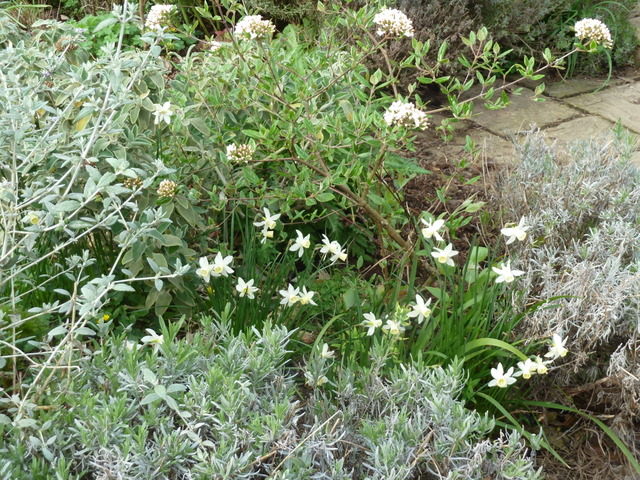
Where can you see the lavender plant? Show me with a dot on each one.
(409, 422)
(582, 204)
(214, 404)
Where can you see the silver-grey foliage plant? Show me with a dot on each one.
(68, 145)
(218, 405)
(583, 204)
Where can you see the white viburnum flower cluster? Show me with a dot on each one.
(167, 189)
(406, 115)
(240, 153)
(393, 23)
(529, 367)
(253, 26)
(594, 29)
(132, 183)
(215, 45)
(159, 16)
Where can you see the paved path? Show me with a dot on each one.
(573, 110)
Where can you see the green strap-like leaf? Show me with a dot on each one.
(489, 342)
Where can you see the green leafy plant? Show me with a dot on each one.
(323, 131)
(104, 29)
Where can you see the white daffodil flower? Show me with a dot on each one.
(301, 243)
(371, 322)
(420, 310)
(505, 273)
(557, 348)
(431, 229)
(162, 113)
(444, 255)
(541, 366)
(339, 255)
(266, 233)
(334, 248)
(306, 296)
(220, 267)
(32, 218)
(501, 378)
(393, 327)
(527, 368)
(205, 269)
(246, 289)
(268, 220)
(152, 339)
(326, 353)
(290, 296)
(315, 382)
(518, 232)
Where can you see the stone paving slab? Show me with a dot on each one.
(580, 128)
(573, 86)
(616, 103)
(494, 148)
(577, 86)
(522, 114)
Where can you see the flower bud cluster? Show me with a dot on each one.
(254, 26)
(167, 189)
(159, 16)
(594, 30)
(406, 115)
(240, 153)
(132, 183)
(393, 23)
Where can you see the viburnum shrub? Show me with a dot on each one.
(293, 121)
